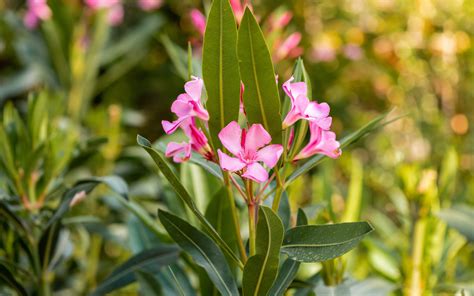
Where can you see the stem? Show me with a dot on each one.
(416, 280)
(252, 206)
(279, 191)
(235, 219)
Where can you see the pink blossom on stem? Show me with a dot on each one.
(238, 9)
(115, 15)
(149, 5)
(250, 147)
(242, 106)
(321, 142)
(187, 105)
(37, 10)
(179, 151)
(302, 108)
(100, 4)
(115, 9)
(289, 47)
(198, 20)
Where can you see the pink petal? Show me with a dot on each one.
(301, 104)
(170, 127)
(149, 5)
(294, 90)
(256, 138)
(256, 172)
(181, 106)
(230, 137)
(321, 142)
(228, 163)
(325, 123)
(291, 117)
(115, 15)
(199, 20)
(194, 88)
(316, 110)
(199, 111)
(180, 151)
(270, 154)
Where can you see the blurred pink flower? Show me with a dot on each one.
(324, 53)
(249, 148)
(289, 47)
(115, 9)
(198, 20)
(187, 105)
(37, 10)
(149, 5)
(180, 152)
(238, 9)
(321, 142)
(302, 108)
(352, 52)
(281, 22)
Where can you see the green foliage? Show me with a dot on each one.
(220, 68)
(261, 98)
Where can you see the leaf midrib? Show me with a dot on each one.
(322, 244)
(221, 72)
(254, 72)
(202, 253)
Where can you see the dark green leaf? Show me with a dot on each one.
(125, 274)
(47, 244)
(220, 68)
(289, 268)
(7, 278)
(261, 98)
(7, 213)
(261, 269)
(315, 243)
(184, 196)
(461, 218)
(203, 250)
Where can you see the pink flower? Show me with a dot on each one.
(37, 10)
(197, 142)
(321, 142)
(289, 47)
(149, 5)
(187, 105)
(198, 20)
(115, 13)
(302, 108)
(238, 9)
(353, 52)
(242, 106)
(249, 148)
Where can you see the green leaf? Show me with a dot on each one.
(346, 141)
(220, 68)
(290, 267)
(261, 269)
(316, 243)
(47, 244)
(461, 218)
(10, 216)
(149, 259)
(203, 250)
(87, 185)
(184, 196)
(261, 98)
(7, 278)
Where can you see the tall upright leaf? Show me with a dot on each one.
(185, 197)
(204, 251)
(261, 269)
(261, 98)
(221, 68)
(315, 243)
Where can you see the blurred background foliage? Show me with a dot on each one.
(364, 58)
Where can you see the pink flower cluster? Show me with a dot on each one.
(115, 9)
(37, 10)
(188, 107)
(250, 147)
(322, 140)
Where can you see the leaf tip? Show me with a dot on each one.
(142, 141)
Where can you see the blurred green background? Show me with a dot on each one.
(365, 58)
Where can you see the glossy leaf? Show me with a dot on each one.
(461, 218)
(261, 98)
(203, 249)
(220, 68)
(261, 269)
(125, 274)
(316, 243)
(289, 268)
(184, 196)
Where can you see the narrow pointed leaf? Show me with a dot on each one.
(6, 277)
(261, 269)
(184, 196)
(346, 141)
(261, 98)
(221, 68)
(203, 249)
(289, 268)
(316, 243)
(152, 259)
(461, 218)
